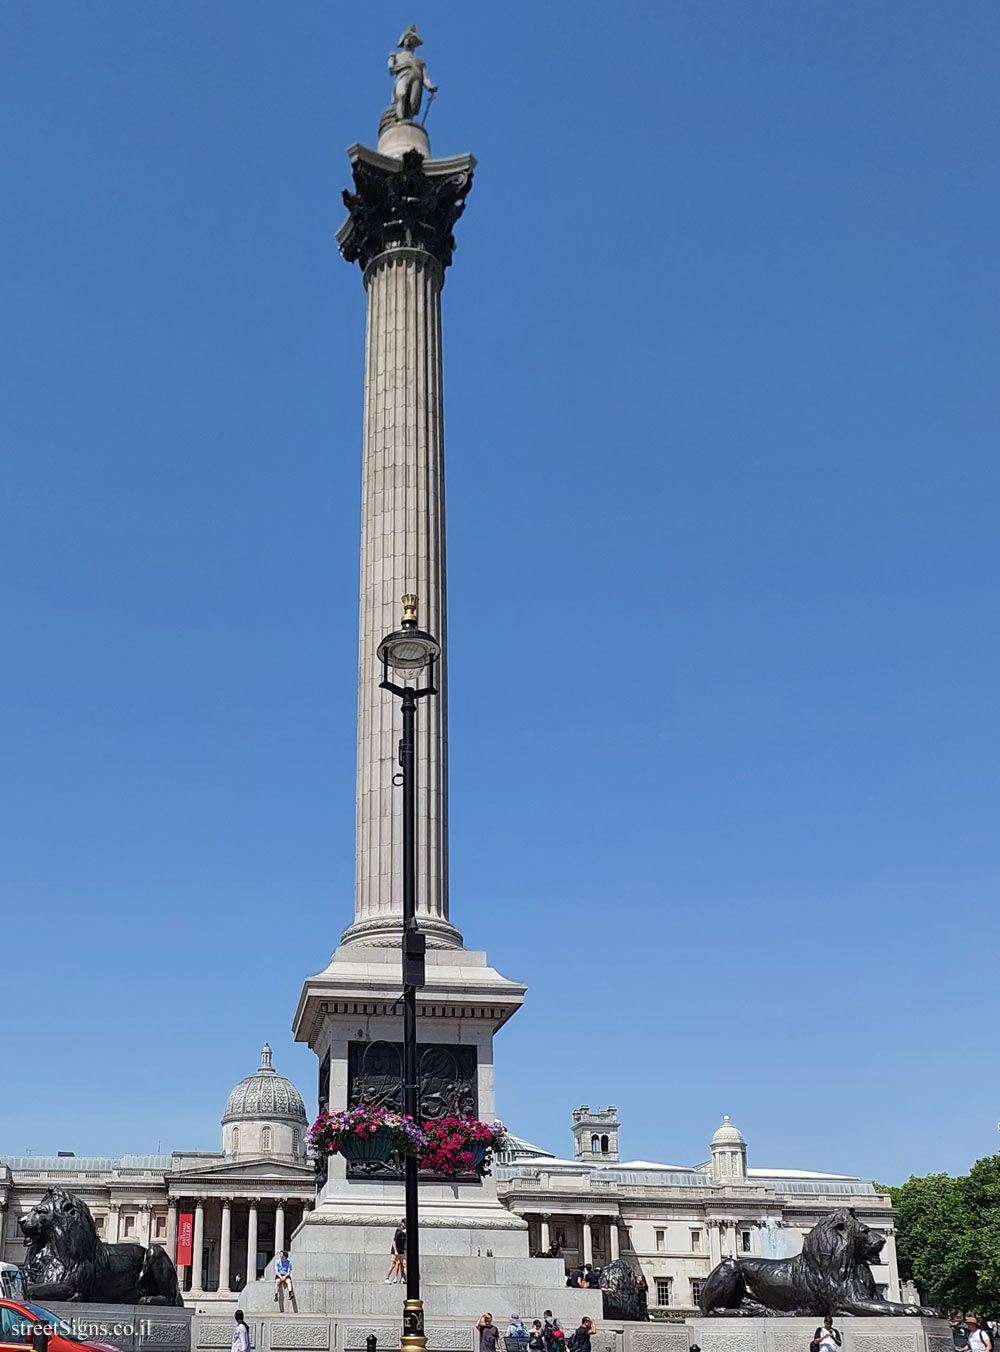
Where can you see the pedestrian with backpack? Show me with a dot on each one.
(826, 1338)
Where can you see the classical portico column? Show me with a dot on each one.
(279, 1226)
(114, 1209)
(399, 231)
(172, 1230)
(3, 1216)
(613, 1237)
(893, 1261)
(543, 1233)
(198, 1247)
(144, 1224)
(588, 1241)
(225, 1244)
(714, 1243)
(252, 1242)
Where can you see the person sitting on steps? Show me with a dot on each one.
(283, 1277)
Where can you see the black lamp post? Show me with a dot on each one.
(410, 651)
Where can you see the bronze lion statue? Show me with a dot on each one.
(622, 1296)
(66, 1259)
(830, 1276)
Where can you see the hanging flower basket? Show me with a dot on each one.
(377, 1146)
(461, 1145)
(366, 1133)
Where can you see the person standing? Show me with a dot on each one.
(959, 1334)
(548, 1322)
(489, 1334)
(397, 1264)
(536, 1338)
(826, 1338)
(591, 1276)
(979, 1339)
(580, 1341)
(241, 1334)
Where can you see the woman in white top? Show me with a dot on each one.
(979, 1341)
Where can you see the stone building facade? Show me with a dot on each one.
(675, 1222)
(244, 1200)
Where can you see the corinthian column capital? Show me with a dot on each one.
(410, 203)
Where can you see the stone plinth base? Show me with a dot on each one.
(340, 1270)
(880, 1333)
(132, 1328)
(396, 138)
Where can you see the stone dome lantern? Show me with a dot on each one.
(265, 1115)
(729, 1154)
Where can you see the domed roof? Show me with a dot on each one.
(727, 1134)
(266, 1094)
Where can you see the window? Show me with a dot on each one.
(265, 1139)
(100, 1222)
(696, 1241)
(161, 1227)
(661, 1240)
(745, 1241)
(696, 1284)
(595, 1144)
(605, 1145)
(13, 1325)
(128, 1225)
(663, 1290)
(236, 1140)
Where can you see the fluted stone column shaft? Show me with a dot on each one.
(279, 1228)
(198, 1248)
(252, 1244)
(613, 1239)
(402, 550)
(225, 1244)
(172, 1231)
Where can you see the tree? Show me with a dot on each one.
(948, 1237)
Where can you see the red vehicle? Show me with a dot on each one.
(23, 1325)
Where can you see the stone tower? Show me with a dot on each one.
(595, 1134)
(729, 1154)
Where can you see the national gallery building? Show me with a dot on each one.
(676, 1222)
(244, 1200)
(673, 1222)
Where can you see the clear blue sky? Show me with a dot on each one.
(722, 408)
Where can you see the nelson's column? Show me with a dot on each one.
(474, 1253)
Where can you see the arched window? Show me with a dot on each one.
(265, 1139)
(604, 1145)
(595, 1144)
(236, 1140)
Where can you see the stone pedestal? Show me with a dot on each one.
(875, 1334)
(349, 1015)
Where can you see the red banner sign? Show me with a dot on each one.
(185, 1231)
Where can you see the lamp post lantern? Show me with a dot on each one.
(410, 651)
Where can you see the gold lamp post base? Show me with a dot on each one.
(413, 1339)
